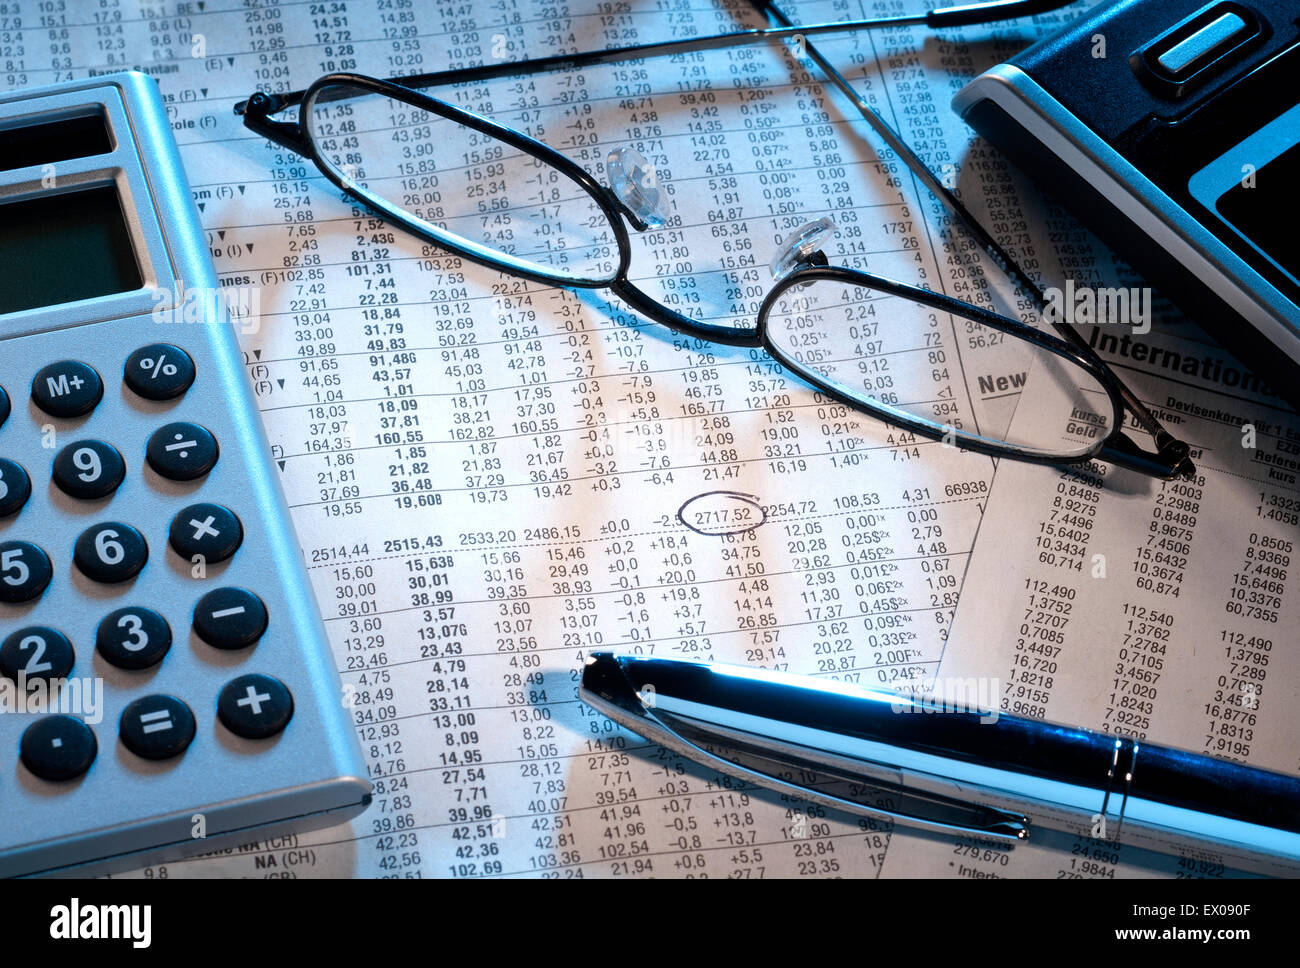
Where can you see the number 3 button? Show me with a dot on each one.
(111, 552)
(133, 638)
(89, 469)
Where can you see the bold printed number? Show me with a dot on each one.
(134, 628)
(34, 664)
(12, 560)
(110, 552)
(87, 461)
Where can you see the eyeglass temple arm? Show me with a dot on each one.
(1171, 459)
(965, 14)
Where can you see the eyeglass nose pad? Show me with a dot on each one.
(636, 185)
(803, 247)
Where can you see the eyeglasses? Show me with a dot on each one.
(506, 200)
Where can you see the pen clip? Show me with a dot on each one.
(810, 779)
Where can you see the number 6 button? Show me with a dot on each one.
(111, 552)
(89, 469)
(25, 571)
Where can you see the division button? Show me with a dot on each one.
(230, 618)
(159, 371)
(207, 531)
(111, 552)
(157, 727)
(182, 451)
(255, 706)
(58, 748)
(25, 571)
(89, 469)
(15, 487)
(133, 638)
(36, 652)
(67, 389)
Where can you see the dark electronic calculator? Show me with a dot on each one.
(1172, 129)
(166, 686)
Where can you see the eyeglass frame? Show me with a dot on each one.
(1115, 447)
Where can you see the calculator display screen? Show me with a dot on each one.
(63, 247)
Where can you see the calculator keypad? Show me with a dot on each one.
(15, 487)
(89, 470)
(132, 638)
(67, 389)
(111, 552)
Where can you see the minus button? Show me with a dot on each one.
(230, 618)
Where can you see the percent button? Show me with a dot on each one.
(159, 371)
(182, 451)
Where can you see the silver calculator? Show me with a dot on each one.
(166, 686)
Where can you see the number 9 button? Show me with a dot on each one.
(89, 469)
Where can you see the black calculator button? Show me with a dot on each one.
(111, 552)
(89, 469)
(230, 618)
(67, 389)
(25, 571)
(159, 371)
(133, 638)
(157, 727)
(15, 487)
(4, 406)
(36, 652)
(182, 451)
(58, 748)
(255, 706)
(207, 531)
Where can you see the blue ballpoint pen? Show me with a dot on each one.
(923, 763)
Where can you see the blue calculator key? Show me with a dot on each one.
(133, 638)
(15, 487)
(206, 531)
(4, 406)
(255, 706)
(36, 652)
(111, 552)
(58, 748)
(159, 371)
(182, 451)
(25, 571)
(230, 618)
(157, 727)
(89, 469)
(67, 389)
